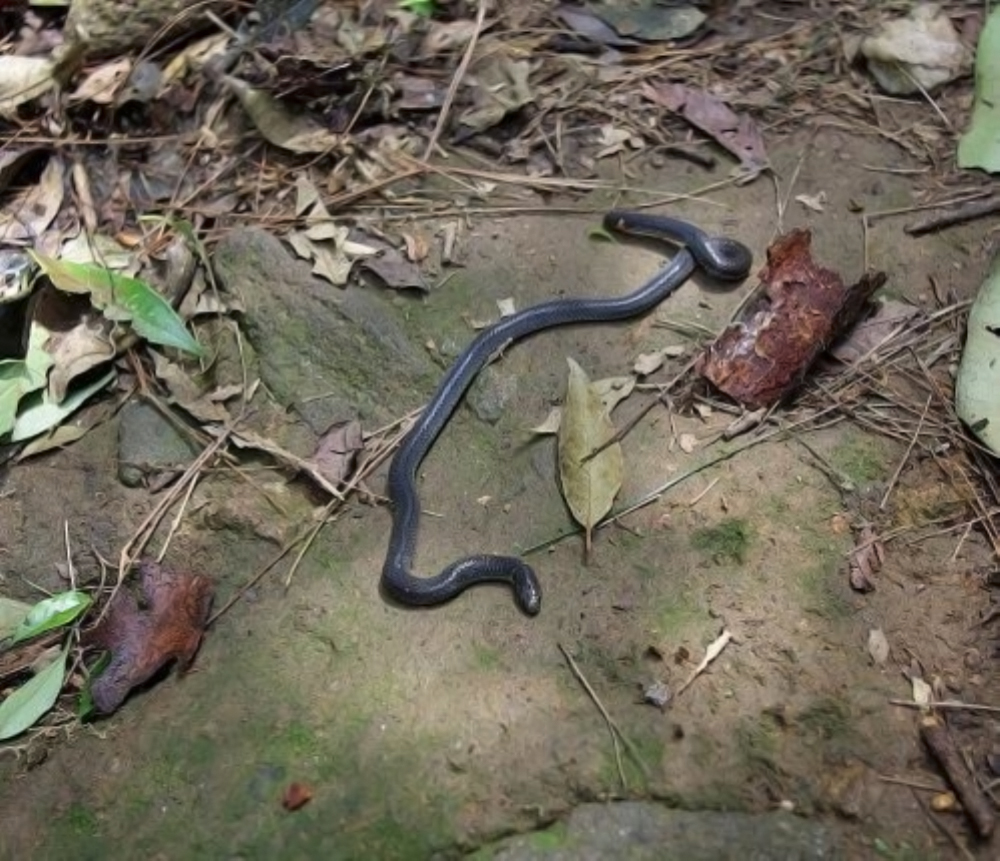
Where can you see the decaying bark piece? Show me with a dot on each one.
(799, 309)
(142, 641)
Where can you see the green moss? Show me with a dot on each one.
(727, 541)
(553, 837)
(901, 851)
(81, 820)
(757, 743)
(862, 458)
(485, 658)
(678, 612)
(824, 590)
(826, 720)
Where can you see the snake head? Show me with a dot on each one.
(527, 591)
(723, 258)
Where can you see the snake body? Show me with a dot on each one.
(721, 258)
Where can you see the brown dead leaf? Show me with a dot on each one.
(444, 36)
(869, 334)
(296, 795)
(866, 560)
(141, 642)
(188, 394)
(395, 271)
(101, 86)
(500, 86)
(418, 94)
(337, 451)
(737, 133)
(417, 247)
(294, 132)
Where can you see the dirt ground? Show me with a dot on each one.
(437, 731)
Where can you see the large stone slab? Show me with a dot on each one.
(329, 354)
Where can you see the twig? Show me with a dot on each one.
(906, 455)
(912, 784)
(968, 211)
(935, 735)
(954, 705)
(613, 728)
(456, 80)
(711, 653)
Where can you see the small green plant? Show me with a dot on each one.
(418, 7)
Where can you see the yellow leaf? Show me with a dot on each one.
(590, 482)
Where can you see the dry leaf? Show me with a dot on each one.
(923, 693)
(589, 483)
(337, 451)
(551, 423)
(647, 363)
(506, 307)
(23, 79)
(878, 647)
(738, 133)
(866, 560)
(142, 641)
(31, 211)
(101, 85)
(293, 132)
(186, 393)
(296, 795)
(815, 202)
(613, 390)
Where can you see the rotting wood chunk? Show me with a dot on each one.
(798, 310)
(169, 627)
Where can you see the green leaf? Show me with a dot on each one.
(123, 298)
(11, 614)
(980, 145)
(52, 613)
(418, 7)
(19, 377)
(978, 378)
(39, 413)
(30, 702)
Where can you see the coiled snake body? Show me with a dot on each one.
(721, 258)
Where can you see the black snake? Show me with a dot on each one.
(721, 258)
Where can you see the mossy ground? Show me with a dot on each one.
(431, 732)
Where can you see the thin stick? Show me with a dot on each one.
(959, 215)
(253, 581)
(906, 455)
(912, 784)
(456, 80)
(705, 492)
(175, 524)
(954, 705)
(613, 728)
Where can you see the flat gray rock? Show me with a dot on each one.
(149, 444)
(330, 354)
(646, 831)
